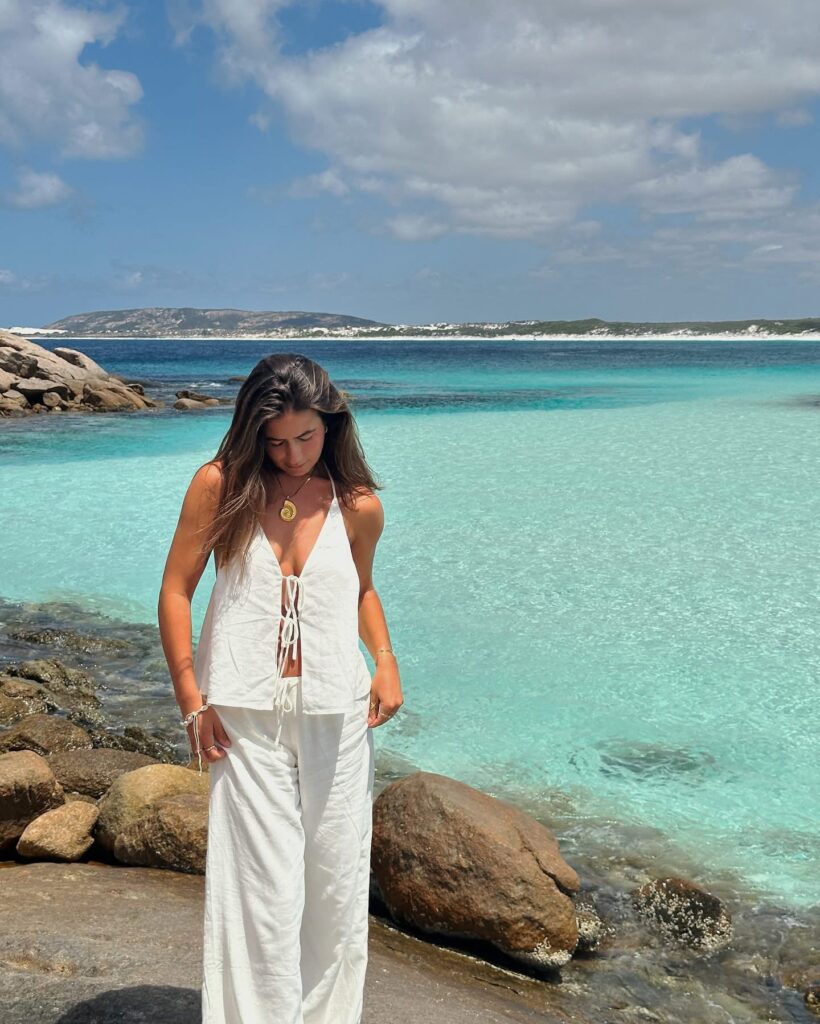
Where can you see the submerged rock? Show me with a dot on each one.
(57, 677)
(590, 930)
(451, 860)
(196, 400)
(44, 734)
(684, 914)
(62, 688)
(69, 639)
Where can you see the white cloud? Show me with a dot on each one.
(36, 189)
(741, 186)
(781, 238)
(47, 94)
(329, 181)
(414, 227)
(794, 118)
(13, 282)
(132, 277)
(509, 119)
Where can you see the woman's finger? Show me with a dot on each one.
(220, 735)
(382, 712)
(206, 738)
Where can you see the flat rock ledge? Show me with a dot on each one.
(134, 954)
(34, 379)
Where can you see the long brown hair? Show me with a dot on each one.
(281, 382)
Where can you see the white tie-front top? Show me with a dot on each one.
(239, 659)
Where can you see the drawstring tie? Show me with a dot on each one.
(289, 640)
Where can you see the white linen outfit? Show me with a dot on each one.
(290, 812)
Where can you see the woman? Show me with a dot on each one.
(279, 700)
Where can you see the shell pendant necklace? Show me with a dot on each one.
(288, 509)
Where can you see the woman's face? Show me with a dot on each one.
(294, 441)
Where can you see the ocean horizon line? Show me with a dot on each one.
(756, 336)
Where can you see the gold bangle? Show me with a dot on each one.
(389, 650)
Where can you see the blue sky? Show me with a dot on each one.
(411, 161)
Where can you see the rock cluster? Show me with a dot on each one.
(34, 379)
(195, 400)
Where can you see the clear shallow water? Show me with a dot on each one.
(600, 565)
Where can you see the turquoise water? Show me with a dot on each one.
(599, 565)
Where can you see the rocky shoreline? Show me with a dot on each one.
(34, 380)
(598, 935)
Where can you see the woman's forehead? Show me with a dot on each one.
(291, 424)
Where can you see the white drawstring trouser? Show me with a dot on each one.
(287, 872)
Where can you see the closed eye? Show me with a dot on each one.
(302, 437)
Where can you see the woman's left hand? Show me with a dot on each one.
(385, 692)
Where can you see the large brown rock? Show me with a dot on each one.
(173, 833)
(93, 772)
(452, 860)
(133, 793)
(112, 397)
(64, 833)
(27, 789)
(44, 734)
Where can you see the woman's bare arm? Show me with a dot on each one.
(368, 524)
(183, 569)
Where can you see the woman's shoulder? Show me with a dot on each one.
(208, 478)
(366, 515)
(364, 501)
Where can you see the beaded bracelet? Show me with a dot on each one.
(186, 721)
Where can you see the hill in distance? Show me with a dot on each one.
(165, 321)
(187, 322)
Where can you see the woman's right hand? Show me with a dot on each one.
(211, 734)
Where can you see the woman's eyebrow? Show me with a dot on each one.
(270, 438)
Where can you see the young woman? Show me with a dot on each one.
(279, 700)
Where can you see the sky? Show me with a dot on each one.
(411, 161)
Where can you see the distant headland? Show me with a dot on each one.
(191, 323)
